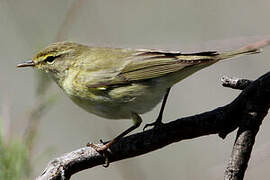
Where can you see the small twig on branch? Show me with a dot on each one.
(246, 112)
(235, 83)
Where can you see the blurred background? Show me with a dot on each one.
(40, 122)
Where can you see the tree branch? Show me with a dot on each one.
(247, 110)
(248, 129)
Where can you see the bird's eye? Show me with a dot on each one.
(50, 59)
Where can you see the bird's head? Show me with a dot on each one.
(56, 59)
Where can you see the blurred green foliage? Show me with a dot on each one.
(14, 159)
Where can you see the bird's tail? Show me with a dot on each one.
(252, 48)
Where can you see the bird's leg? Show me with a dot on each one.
(158, 121)
(137, 120)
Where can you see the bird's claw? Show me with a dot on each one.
(103, 150)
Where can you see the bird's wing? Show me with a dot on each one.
(148, 64)
(153, 64)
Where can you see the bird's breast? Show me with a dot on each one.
(116, 102)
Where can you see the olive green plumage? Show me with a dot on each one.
(113, 82)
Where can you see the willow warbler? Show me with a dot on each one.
(117, 83)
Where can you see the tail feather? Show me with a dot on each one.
(252, 48)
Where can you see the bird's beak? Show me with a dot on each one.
(26, 64)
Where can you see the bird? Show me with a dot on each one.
(122, 83)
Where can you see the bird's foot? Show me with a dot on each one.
(156, 124)
(103, 149)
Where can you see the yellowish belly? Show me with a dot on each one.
(118, 103)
